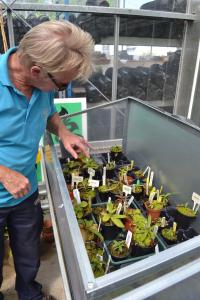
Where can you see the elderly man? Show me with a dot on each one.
(49, 56)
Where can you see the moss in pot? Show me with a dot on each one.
(185, 215)
(116, 153)
(169, 235)
(119, 250)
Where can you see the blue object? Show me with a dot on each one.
(22, 125)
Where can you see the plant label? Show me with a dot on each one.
(99, 224)
(91, 172)
(147, 168)
(132, 164)
(196, 200)
(68, 159)
(151, 179)
(119, 207)
(156, 249)
(93, 183)
(155, 230)
(107, 265)
(128, 238)
(126, 189)
(125, 179)
(151, 196)
(76, 178)
(130, 201)
(163, 222)
(109, 199)
(125, 206)
(77, 195)
(174, 226)
(100, 257)
(158, 194)
(108, 157)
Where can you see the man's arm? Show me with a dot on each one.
(72, 143)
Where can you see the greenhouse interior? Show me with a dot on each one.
(124, 221)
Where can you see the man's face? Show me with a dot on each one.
(46, 81)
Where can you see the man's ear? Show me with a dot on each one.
(36, 71)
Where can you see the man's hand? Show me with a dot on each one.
(14, 182)
(75, 144)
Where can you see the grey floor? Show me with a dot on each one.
(49, 274)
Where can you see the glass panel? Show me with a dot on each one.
(105, 3)
(162, 5)
(99, 27)
(149, 56)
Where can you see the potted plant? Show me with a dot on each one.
(110, 169)
(89, 230)
(137, 190)
(98, 266)
(111, 222)
(116, 153)
(144, 239)
(107, 190)
(185, 215)
(87, 195)
(91, 163)
(133, 218)
(83, 209)
(118, 250)
(169, 235)
(154, 209)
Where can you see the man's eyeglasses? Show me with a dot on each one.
(60, 87)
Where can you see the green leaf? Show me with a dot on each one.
(84, 204)
(117, 222)
(106, 218)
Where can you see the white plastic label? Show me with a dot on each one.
(126, 189)
(108, 156)
(130, 201)
(151, 178)
(76, 178)
(99, 224)
(174, 226)
(93, 183)
(155, 230)
(128, 238)
(152, 195)
(196, 197)
(119, 207)
(109, 199)
(108, 263)
(77, 195)
(147, 168)
(156, 249)
(163, 222)
(91, 171)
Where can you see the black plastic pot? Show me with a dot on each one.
(183, 221)
(104, 196)
(110, 174)
(119, 258)
(140, 251)
(110, 232)
(116, 156)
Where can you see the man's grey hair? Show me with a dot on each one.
(58, 46)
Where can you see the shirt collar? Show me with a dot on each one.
(4, 74)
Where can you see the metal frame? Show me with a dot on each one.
(129, 277)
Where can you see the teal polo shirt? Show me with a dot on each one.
(22, 124)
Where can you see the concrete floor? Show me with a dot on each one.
(49, 274)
